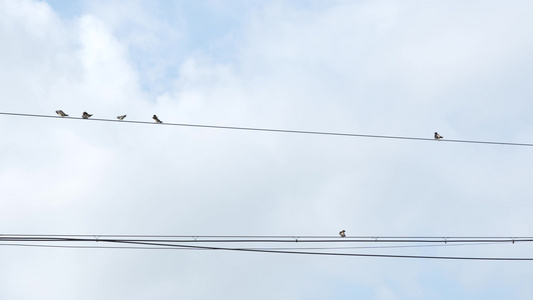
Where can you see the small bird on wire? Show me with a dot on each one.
(438, 136)
(121, 117)
(342, 233)
(157, 119)
(61, 113)
(85, 115)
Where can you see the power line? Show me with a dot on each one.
(335, 253)
(258, 239)
(262, 248)
(276, 130)
(286, 237)
(258, 236)
(374, 247)
(87, 247)
(178, 244)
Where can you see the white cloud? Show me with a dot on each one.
(375, 68)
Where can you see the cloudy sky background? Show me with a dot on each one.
(404, 68)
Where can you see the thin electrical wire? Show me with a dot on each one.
(262, 248)
(277, 130)
(293, 240)
(258, 236)
(90, 247)
(262, 239)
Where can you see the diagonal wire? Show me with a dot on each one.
(331, 253)
(262, 248)
(277, 130)
(147, 243)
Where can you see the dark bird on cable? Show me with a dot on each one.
(61, 113)
(438, 136)
(85, 115)
(342, 233)
(121, 117)
(156, 119)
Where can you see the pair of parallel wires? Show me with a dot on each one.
(198, 242)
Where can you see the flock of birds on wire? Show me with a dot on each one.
(86, 115)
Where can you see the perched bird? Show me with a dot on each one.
(121, 117)
(438, 136)
(61, 113)
(156, 119)
(342, 233)
(85, 115)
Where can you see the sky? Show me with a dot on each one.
(400, 68)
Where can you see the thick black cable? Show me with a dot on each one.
(262, 248)
(277, 130)
(374, 247)
(335, 253)
(181, 246)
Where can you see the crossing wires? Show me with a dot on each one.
(264, 244)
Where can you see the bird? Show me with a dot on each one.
(157, 119)
(438, 136)
(342, 233)
(121, 117)
(61, 113)
(85, 115)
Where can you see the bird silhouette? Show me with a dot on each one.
(342, 233)
(85, 115)
(61, 113)
(157, 119)
(121, 117)
(438, 136)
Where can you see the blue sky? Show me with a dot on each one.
(406, 68)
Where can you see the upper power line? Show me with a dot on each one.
(266, 238)
(120, 119)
